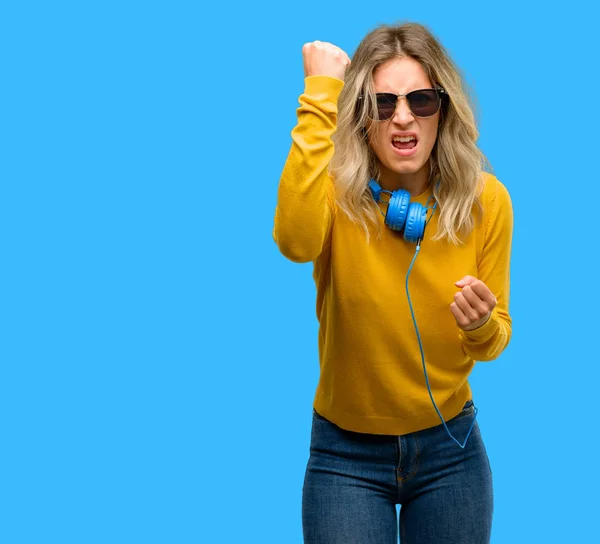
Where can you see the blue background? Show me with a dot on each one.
(158, 356)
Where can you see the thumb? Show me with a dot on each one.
(467, 280)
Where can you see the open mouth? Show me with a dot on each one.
(405, 145)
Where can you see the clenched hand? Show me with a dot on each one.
(473, 304)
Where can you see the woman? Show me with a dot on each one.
(393, 415)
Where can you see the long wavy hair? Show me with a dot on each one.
(455, 159)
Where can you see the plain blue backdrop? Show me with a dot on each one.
(158, 356)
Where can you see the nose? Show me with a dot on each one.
(402, 114)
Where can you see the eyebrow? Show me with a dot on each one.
(410, 91)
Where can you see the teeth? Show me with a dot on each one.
(403, 139)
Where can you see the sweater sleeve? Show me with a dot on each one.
(488, 341)
(305, 204)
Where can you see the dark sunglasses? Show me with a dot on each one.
(422, 103)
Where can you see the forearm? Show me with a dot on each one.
(487, 342)
(305, 204)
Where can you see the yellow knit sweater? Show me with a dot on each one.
(371, 374)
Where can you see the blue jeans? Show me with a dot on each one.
(354, 481)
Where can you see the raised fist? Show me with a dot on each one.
(324, 59)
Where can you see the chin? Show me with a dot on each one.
(404, 166)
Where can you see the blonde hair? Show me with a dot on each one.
(455, 159)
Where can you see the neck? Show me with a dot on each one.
(415, 183)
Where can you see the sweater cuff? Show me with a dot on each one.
(323, 87)
(483, 333)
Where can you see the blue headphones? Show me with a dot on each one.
(402, 214)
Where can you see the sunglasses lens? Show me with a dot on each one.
(386, 106)
(423, 103)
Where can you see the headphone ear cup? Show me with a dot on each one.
(415, 223)
(395, 217)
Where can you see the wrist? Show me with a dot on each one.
(478, 324)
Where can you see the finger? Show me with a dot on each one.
(479, 305)
(465, 281)
(483, 292)
(470, 313)
(461, 318)
(461, 281)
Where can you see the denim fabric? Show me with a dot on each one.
(354, 481)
